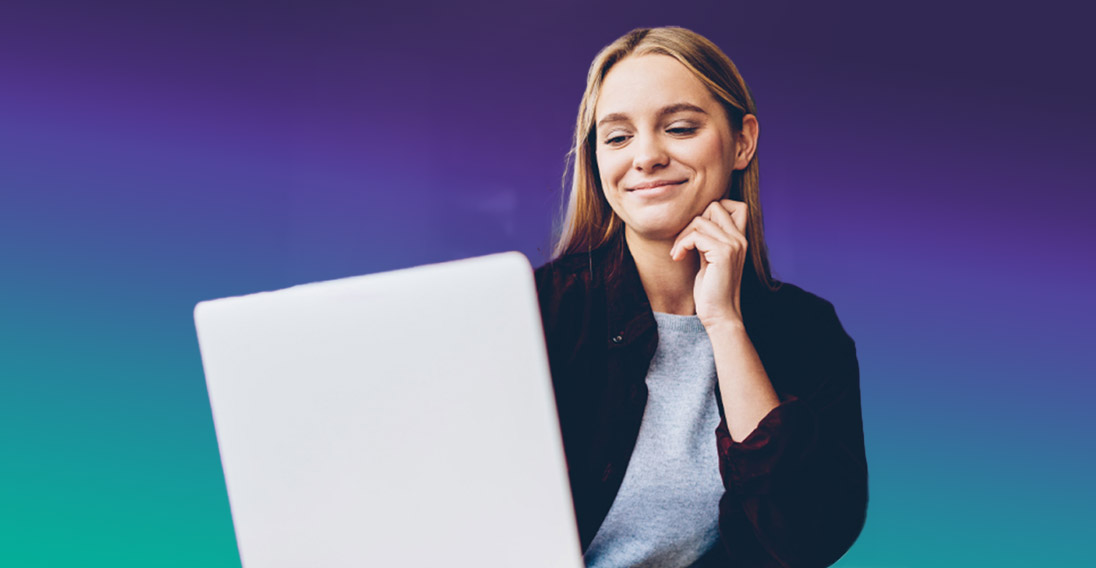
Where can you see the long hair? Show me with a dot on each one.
(589, 222)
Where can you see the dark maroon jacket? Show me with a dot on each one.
(796, 488)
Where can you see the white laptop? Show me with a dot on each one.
(398, 419)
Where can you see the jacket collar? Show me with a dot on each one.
(628, 310)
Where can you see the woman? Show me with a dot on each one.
(710, 415)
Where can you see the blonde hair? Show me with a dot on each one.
(589, 222)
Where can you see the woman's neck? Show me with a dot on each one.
(668, 283)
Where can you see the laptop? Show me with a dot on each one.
(398, 419)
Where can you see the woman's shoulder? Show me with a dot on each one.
(574, 263)
(794, 313)
(569, 270)
(805, 349)
(792, 299)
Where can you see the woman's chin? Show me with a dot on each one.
(655, 231)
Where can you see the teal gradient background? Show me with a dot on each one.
(925, 167)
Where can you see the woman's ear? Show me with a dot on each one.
(745, 143)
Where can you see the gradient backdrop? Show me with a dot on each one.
(925, 166)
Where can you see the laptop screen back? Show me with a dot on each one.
(398, 419)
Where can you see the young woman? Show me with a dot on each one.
(710, 415)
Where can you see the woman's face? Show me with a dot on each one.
(665, 149)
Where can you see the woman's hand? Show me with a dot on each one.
(718, 236)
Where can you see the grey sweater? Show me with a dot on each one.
(666, 512)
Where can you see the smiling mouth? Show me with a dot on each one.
(656, 185)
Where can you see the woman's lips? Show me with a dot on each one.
(655, 188)
(656, 184)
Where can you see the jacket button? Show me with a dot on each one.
(618, 338)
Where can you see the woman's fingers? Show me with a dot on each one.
(708, 238)
(737, 211)
(724, 221)
(729, 214)
(714, 229)
(704, 244)
(675, 250)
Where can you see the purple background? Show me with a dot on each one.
(925, 166)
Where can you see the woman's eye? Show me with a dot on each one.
(682, 130)
(613, 141)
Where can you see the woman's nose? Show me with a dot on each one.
(650, 154)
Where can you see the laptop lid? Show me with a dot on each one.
(399, 419)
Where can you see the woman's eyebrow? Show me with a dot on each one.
(670, 109)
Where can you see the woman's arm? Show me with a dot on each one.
(719, 239)
(794, 471)
(746, 392)
(797, 484)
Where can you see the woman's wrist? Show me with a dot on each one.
(726, 329)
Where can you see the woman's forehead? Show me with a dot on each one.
(646, 84)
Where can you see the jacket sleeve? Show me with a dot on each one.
(796, 487)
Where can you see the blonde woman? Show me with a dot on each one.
(710, 415)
